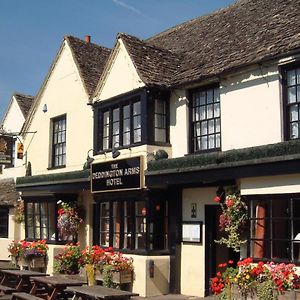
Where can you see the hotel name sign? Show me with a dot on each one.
(123, 174)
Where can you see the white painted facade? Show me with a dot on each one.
(120, 75)
(64, 94)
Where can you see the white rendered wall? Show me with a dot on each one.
(193, 256)
(280, 184)
(179, 116)
(14, 119)
(121, 77)
(251, 109)
(63, 94)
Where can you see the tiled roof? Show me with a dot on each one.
(244, 33)
(151, 62)
(8, 194)
(25, 102)
(90, 59)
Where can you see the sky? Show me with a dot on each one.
(31, 31)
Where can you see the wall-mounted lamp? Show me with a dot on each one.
(114, 152)
(45, 108)
(89, 160)
(160, 154)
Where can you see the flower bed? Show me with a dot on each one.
(263, 280)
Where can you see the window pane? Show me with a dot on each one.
(294, 131)
(140, 225)
(137, 136)
(136, 108)
(126, 138)
(210, 96)
(116, 115)
(217, 110)
(104, 224)
(209, 111)
(159, 106)
(126, 111)
(294, 113)
(137, 122)
(291, 94)
(202, 98)
(211, 141)
(291, 77)
(160, 135)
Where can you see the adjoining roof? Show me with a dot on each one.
(8, 195)
(90, 59)
(151, 62)
(24, 102)
(247, 32)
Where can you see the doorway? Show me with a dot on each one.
(215, 253)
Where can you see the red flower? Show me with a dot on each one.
(217, 199)
(229, 202)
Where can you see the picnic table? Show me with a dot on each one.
(55, 285)
(14, 280)
(99, 292)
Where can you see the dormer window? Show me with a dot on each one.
(136, 119)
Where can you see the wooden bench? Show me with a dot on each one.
(7, 289)
(24, 296)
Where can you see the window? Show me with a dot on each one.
(41, 221)
(59, 142)
(131, 120)
(292, 100)
(4, 212)
(160, 120)
(275, 224)
(129, 226)
(121, 125)
(206, 125)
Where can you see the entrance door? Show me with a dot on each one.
(215, 253)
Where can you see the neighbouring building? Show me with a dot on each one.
(171, 122)
(62, 125)
(11, 167)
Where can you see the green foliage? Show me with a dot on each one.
(69, 261)
(107, 276)
(227, 158)
(232, 221)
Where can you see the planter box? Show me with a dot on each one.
(23, 262)
(117, 277)
(14, 261)
(37, 262)
(122, 277)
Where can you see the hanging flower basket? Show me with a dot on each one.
(68, 221)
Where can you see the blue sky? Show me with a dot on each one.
(31, 31)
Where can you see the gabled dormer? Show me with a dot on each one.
(132, 98)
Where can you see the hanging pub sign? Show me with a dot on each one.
(122, 174)
(6, 143)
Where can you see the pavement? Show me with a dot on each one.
(173, 297)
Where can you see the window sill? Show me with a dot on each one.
(58, 167)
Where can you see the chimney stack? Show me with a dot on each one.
(87, 38)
